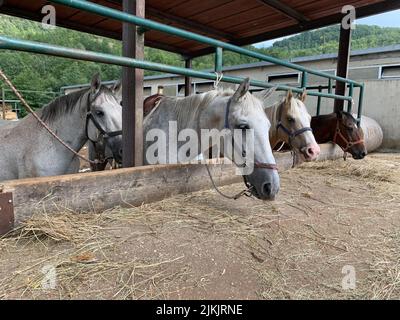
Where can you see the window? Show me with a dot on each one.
(288, 78)
(170, 90)
(204, 86)
(368, 73)
(314, 79)
(390, 72)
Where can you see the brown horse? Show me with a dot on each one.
(342, 129)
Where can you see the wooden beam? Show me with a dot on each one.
(99, 191)
(3, 98)
(365, 11)
(132, 89)
(285, 9)
(188, 80)
(342, 65)
(167, 17)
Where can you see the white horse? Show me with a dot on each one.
(291, 124)
(28, 150)
(220, 110)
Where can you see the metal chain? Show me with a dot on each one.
(26, 105)
(246, 192)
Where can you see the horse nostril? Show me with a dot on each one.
(267, 188)
(120, 152)
(310, 151)
(363, 154)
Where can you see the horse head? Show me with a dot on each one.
(104, 118)
(349, 135)
(246, 115)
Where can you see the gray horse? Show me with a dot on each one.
(28, 150)
(222, 111)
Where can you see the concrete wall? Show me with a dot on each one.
(381, 102)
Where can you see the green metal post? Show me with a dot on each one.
(350, 103)
(95, 8)
(218, 60)
(51, 50)
(330, 85)
(304, 80)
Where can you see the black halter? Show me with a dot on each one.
(103, 133)
(291, 134)
(258, 165)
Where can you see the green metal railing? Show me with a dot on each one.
(41, 48)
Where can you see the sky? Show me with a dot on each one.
(389, 19)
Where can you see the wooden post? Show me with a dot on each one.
(342, 65)
(188, 80)
(3, 97)
(132, 88)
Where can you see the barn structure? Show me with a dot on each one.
(205, 27)
(192, 29)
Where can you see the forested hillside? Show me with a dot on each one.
(38, 72)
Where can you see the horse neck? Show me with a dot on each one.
(324, 127)
(272, 114)
(71, 127)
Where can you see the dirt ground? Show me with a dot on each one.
(329, 217)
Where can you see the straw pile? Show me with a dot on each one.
(329, 215)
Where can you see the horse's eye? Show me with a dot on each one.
(290, 119)
(99, 113)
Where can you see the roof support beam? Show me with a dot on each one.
(188, 80)
(342, 65)
(286, 10)
(132, 89)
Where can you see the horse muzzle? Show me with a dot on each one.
(265, 183)
(310, 152)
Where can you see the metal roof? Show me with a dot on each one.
(239, 22)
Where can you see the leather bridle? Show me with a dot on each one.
(103, 134)
(290, 133)
(259, 165)
(348, 143)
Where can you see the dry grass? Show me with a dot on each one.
(329, 214)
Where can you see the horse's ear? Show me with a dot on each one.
(116, 87)
(289, 96)
(242, 90)
(265, 94)
(96, 83)
(303, 96)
